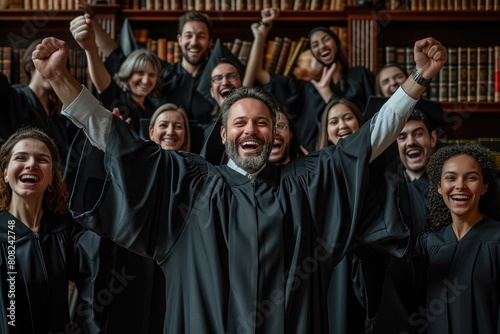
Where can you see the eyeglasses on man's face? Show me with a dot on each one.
(281, 127)
(232, 77)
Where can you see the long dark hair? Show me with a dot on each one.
(323, 141)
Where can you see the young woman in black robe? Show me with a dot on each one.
(460, 257)
(41, 246)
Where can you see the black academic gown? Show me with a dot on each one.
(359, 86)
(180, 87)
(418, 190)
(21, 107)
(238, 255)
(44, 262)
(463, 287)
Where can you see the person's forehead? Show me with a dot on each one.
(170, 114)
(390, 71)
(195, 27)
(317, 35)
(339, 108)
(282, 118)
(27, 144)
(249, 108)
(464, 161)
(223, 68)
(412, 125)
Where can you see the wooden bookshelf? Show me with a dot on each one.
(382, 27)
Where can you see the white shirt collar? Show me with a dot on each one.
(243, 172)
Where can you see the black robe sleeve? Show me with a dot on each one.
(143, 213)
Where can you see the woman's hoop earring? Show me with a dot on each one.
(50, 188)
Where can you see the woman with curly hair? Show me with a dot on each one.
(460, 255)
(40, 244)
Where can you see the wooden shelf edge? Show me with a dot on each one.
(438, 16)
(53, 15)
(228, 16)
(471, 107)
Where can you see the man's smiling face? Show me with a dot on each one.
(249, 135)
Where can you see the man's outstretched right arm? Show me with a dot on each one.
(79, 105)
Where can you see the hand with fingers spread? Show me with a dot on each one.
(323, 85)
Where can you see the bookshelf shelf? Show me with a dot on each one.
(471, 107)
(383, 28)
(444, 17)
(52, 15)
(235, 16)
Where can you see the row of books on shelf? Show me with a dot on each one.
(472, 74)
(169, 51)
(235, 5)
(44, 4)
(443, 5)
(280, 54)
(11, 64)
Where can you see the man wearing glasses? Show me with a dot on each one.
(286, 146)
(223, 79)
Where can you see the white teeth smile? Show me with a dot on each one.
(414, 153)
(461, 197)
(29, 178)
(250, 144)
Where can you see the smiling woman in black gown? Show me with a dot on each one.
(460, 257)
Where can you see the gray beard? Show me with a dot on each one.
(248, 163)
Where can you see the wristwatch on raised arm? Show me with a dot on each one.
(418, 78)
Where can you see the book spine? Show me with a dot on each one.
(452, 74)
(482, 74)
(170, 52)
(462, 74)
(283, 56)
(491, 74)
(162, 48)
(301, 46)
(497, 74)
(443, 83)
(471, 74)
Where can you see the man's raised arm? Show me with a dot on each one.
(50, 58)
(430, 56)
